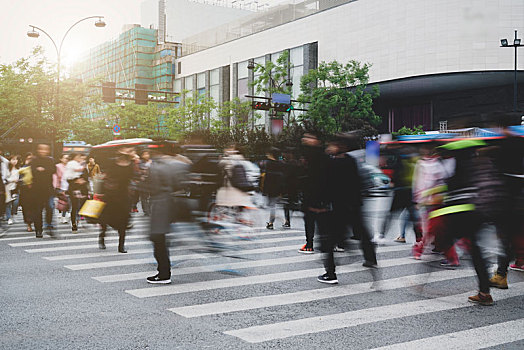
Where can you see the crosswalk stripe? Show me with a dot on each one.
(80, 234)
(476, 338)
(144, 242)
(82, 238)
(281, 330)
(69, 241)
(239, 265)
(317, 294)
(63, 228)
(258, 279)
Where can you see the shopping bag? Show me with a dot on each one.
(92, 209)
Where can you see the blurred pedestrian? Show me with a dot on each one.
(143, 191)
(11, 189)
(402, 195)
(26, 191)
(317, 203)
(77, 179)
(272, 169)
(42, 168)
(345, 192)
(166, 176)
(119, 172)
(291, 186)
(60, 184)
(510, 225)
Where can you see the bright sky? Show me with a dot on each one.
(55, 17)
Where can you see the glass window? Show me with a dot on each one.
(201, 80)
(242, 70)
(275, 56)
(242, 89)
(259, 61)
(177, 85)
(214, 77)
(214, 93)
(189, 83)
(296, 56)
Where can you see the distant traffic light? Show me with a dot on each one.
(141, 94)
(263, 106)
(108, 92)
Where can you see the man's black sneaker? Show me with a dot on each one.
(369, 264)
(269, 226)
(74, 228)
(39, 235)
(286, 225)
(325, 278)
(158, 280)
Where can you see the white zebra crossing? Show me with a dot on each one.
(310, 295)
(281, 330)
(476, 338)
(258, 279)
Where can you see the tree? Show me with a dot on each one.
(417, 130)
(273, 77)
(193, 114)
(237, 112)
(338, 98)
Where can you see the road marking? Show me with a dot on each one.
(281, 330)
(258, 279)
(174, 234)
(210, 268)
(476, 338)
(141, 275)
(87, 246)
(317, 294)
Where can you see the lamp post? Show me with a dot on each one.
(516, 44)
(34, 34)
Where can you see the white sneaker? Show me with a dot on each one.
(10, 222)
(63, 220)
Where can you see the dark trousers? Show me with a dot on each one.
(41, 203)
(311, 220)
(161, 253)
(76, 204)
(121, 235)
(510, 233)
(341, 219)
(402, 199)
(144, 201)
(466, 225)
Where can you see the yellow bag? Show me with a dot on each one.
(92, 209)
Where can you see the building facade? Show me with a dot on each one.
(434, 62)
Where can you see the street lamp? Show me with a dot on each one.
(34, 34)
(516, 44)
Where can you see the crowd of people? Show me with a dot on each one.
(447, 191)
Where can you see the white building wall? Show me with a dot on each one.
(400, 38)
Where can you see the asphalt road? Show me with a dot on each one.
(258, 293)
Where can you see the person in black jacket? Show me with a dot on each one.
(43, 167)
(273, 178)
(345, 192)
(316, 204)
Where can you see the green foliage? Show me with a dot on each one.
(193, 114)
(338, 99)
(417, 130)
(273, 77)
(29, 96)
(236, 112)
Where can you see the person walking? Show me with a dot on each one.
(93, 169)
(118, 175)
(317, 204)
(11, 189)
(61, 186)
(345, 193)
(42, 168)
(272, 189)
(77, 180)
(26, 191)
(166, 176)
(291, 186)
(143, 172)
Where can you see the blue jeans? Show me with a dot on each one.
(11, 208)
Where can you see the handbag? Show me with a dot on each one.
(63, 202)
(92, 209)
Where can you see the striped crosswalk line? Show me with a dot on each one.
(142, 275)
(258, 279)
(310, 295)
(281, 330)
(476, 338)
(147, 242)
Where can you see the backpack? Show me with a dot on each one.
(239, 179)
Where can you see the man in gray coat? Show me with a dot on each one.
(166, 176)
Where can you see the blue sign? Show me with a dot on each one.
(116, 129)
(281, 98)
